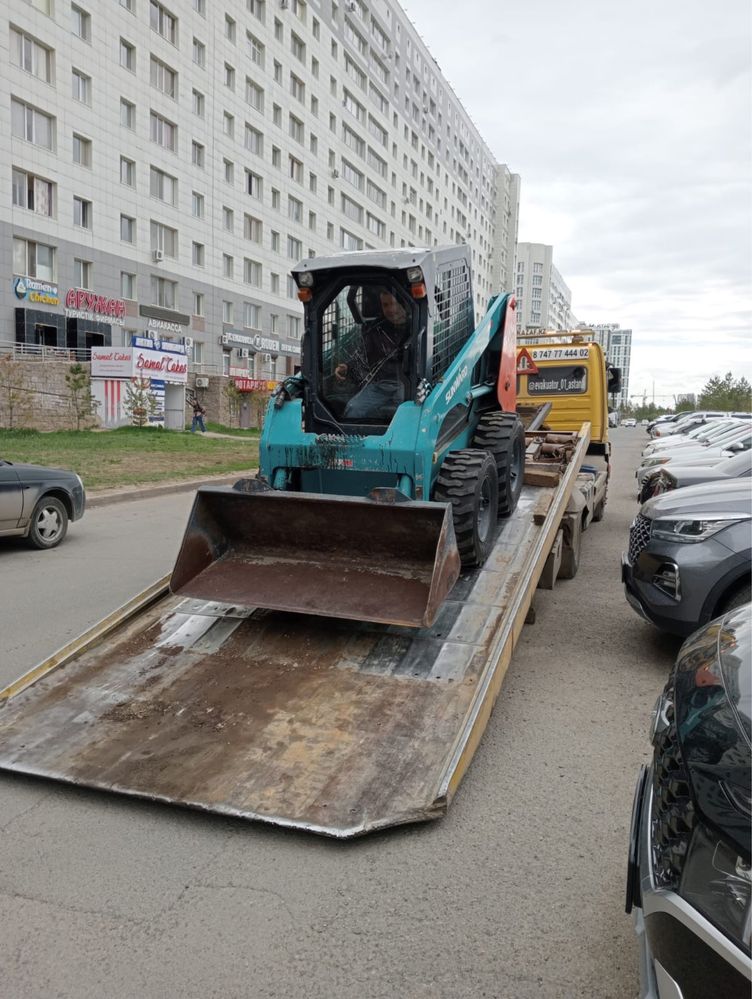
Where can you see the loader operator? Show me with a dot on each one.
(380, 386)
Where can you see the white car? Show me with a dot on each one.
(689, 456)
(629, 422)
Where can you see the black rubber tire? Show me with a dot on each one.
(739, 597)
(468, 481)
(49, 523)
(570, 554)
(503, 436)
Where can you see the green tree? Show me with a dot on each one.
(140, 402)
(728, 393)
(684, 406)
(16, 398)
(81, 400)
(232, 394)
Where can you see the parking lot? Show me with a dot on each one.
(518, 892)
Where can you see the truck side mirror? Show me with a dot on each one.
(614, 380)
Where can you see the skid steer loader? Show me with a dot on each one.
(385, 462)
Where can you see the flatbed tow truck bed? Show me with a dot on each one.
(331, 726)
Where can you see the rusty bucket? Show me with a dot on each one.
(384, 559)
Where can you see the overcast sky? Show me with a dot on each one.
(630, 125)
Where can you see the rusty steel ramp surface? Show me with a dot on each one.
(332, 726)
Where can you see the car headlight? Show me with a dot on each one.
(718, 883)
(695, 529)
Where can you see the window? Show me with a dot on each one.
(163, 186)
(163, 292)
(253, 229)
(30, 55)
(199, 53)
(279, 31)
(296, 129)
(198, 205)
(353, 141)
(228, 124)
(253, 184)
(127, 114)
(298, 47)
(127, 229)
(276, 157)
(312, 221)
(228, 218)
(127, 172)
(349, 103)
(351, 175)
(376, 194)
(127, 55)
(81, 22)
(128, 286)
(198, 310)
(81, 150)
(254, 94)
(251, 316)
(163, 22)
(82, 271)
(294, 209)
(229, 169)
(375, 225)
(32, 125)
(348, 241)
(257, 8)
(537, 268)
(254, 140)
(296, 169)
(228, 313)
(352, 209)
(275, 241)
(32, 259)
(200, 7)
(163, 238)
(312, 183)
(293, 327)
(252, 272)
(228, 265)
(274, 283)
(162, 131)
(256, 51)
(276, 199)
(376, 163)
(197, 254)
(229, 76)
(44, 5)
(130, 5)
(294, 248)
(297, 88)
(81, 212)
(33, 193)
(163, 78)
(81, 87)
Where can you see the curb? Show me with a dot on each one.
(108, 496)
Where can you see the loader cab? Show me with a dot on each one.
(364, 351)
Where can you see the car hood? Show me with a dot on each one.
(713, 701)
(708, 498)
(38, 471)
(694, 475)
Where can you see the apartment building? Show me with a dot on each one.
(543, 297)
(617, 344)
(166, 163)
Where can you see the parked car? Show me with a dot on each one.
(688, 882)
(38, 503)
(706, 454)
(644, 423)
(705, 432)
(687, 422)
(629, 422)
(666, 478)
(689, 555)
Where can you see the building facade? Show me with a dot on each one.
(543, 297)
(165, 165)
(617, 344)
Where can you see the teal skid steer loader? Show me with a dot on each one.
(385, 462)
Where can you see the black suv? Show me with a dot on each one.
(689, 882)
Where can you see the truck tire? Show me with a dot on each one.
(49, 523)
(570, 554)
(503, 436)
(468, 481)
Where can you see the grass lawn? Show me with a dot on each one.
(131, 456)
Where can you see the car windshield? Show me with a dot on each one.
(730, 435)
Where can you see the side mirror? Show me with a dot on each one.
(614, 380)
(736, 446)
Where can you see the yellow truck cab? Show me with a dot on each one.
(571, 373)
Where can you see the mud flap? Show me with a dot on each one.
(374, 559)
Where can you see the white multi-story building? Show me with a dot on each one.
(543, 298)
(507, 227)
(617, 344)
(165, 164)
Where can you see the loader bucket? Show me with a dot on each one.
(379, 559)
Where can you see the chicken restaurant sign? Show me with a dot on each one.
(157, 360)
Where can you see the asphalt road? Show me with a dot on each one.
(517, 893)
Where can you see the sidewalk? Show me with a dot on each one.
(103, 497)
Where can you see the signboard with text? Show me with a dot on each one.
(83, 304)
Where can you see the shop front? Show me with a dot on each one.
(76, 321)
(144, 383)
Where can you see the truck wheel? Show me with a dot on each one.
(570, 554)
(49, 523)
(503, 436)
(468, 480)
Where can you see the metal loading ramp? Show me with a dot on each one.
(333, 726)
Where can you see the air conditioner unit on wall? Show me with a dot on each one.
(202, 382)
(158, 256)
(188, 342)
(267, 358)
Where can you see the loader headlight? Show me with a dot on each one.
(414, 275)
(718, 883)
(697, 529)
(305, 279)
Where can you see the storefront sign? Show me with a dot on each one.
(254, 385)
(258, 342)
(156, 343)
(111, 362)
(140, 362)
(161, 324)
(82, 304)
(169, 366)
(38, 292)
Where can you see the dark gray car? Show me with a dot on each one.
(680, 476)
(37, 503)
(689, 555)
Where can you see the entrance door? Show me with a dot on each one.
(174, 407)
(245, 414)
(46, 336)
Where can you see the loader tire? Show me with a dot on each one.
(468, 481)
(503, 436)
